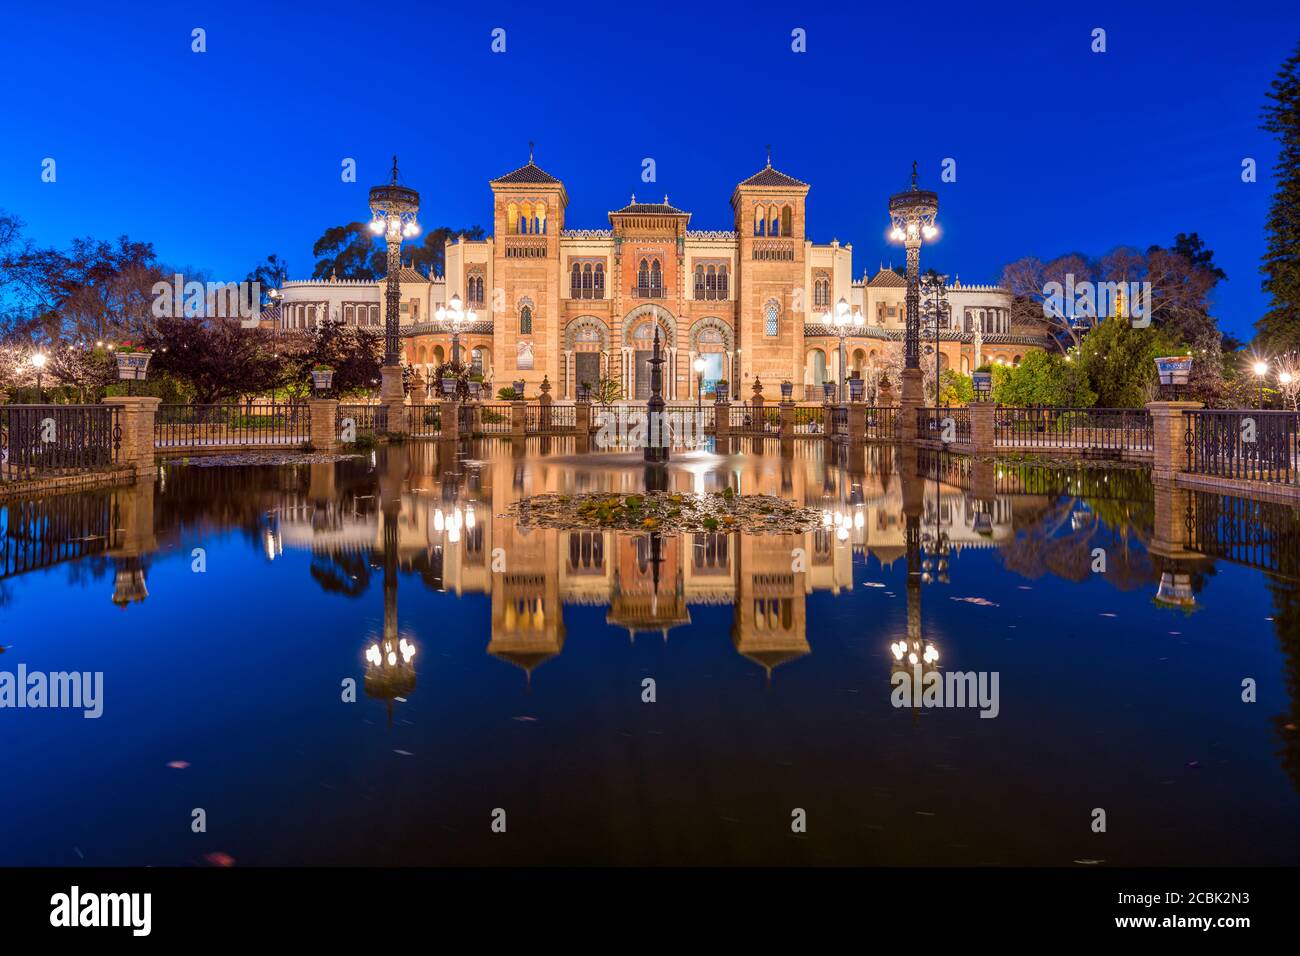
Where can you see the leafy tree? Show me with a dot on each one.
(271, 273)
(348, 252)
(1042, 379)
(218, 358)
(956, 388)
(1279, 328)
(1118, 362)
(355, 353)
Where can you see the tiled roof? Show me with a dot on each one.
(532, 173)
(769, 176)
(650, 208)
(889, 279)
(407, 274)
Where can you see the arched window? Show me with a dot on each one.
(822, 293)
(711, 283)
(787, 221)
(656, 280)
(539, 218)
(525, 217)
(643, 279)
(722, 282)
(476, 360)
(586, 281)
(575, 281)
(512, 218)
(525, 321)
(699, 282)
(600, 281)
(776, 223)
(760, 221)
(771, 323)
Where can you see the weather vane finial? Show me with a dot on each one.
(913, 174)
(530, 152)
(394, 169)
(769, 154)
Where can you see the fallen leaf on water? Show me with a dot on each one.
(404, 753)
(1107, 614)
(525, 719)
(220, 859)
(1194, 764)
(1089, 862)
(872, 584)
(179, 764)
(982, 602)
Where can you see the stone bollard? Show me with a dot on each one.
(136, 416)
(722, 419)
(449, 413)
(324, 435)
(1169, 429)
(518, 418)
(418, 390)
(393, 396)
(982, 418)
(582, 418)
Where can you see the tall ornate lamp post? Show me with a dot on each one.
(1261, 369)
(912, 214)
(393, 210)
(842, 321)
(454, 317)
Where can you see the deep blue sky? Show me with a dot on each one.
(223, 157)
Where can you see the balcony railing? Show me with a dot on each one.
(1243, 444)
(648, 291)
(49, 440)
(187, 426)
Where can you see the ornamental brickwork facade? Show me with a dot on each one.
(577, 305)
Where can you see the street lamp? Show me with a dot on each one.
(38, 362)
(912, 215)
(841, 321)
(454, 317)
(1261, 369)
(934, 288)
(393, 210)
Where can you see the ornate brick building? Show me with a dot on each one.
(575, 305)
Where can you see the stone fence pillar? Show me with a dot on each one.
(857, 422)
(1169, 429)
(324, 423)
(787, 420)
(518, 418)
(449, 416)
(582, 418)
(721, 419)
(982, 416)
(137, 415)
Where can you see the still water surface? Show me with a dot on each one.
(227, 607)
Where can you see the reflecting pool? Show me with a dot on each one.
(364, 661)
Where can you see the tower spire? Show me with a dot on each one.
(769, 155)
(530, 152)
(394, 169)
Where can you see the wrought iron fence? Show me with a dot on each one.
(41, 440)
(840, 421)
(365, 419)
(1261, 534)
(1111, 429)
(493, 419)
(38, 533)
(1251, 445)
(947, 424)
(542, 419)
(810, 419)
(880, 423)
(182, 426)
(426, 420)
(758, 420)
